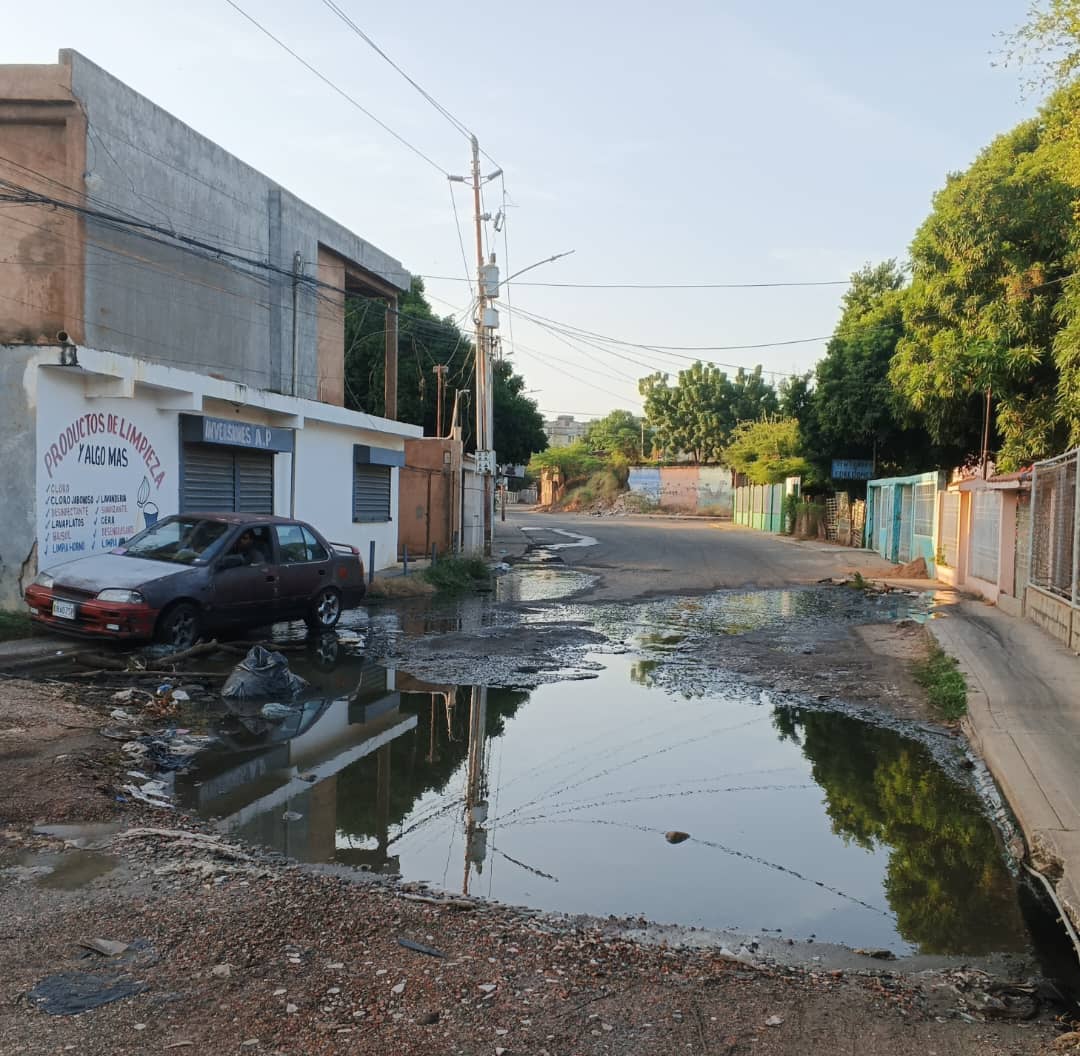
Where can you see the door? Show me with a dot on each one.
(247, 595)
(304, 567)
(226, 479)
(907, 502)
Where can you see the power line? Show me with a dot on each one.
(340, 91)
(660, 285)
(461, 127)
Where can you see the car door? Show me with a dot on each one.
(246, 594)
(304, 566)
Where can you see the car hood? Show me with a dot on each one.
(101, 571)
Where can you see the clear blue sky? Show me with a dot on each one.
(704, 142)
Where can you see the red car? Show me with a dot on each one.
(198, 572)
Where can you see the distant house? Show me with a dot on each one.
(564, 430)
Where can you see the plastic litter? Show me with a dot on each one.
(69, 993)
(275, 712)
(262, 673)
(419, 947)
(170, 749)
(106, 947)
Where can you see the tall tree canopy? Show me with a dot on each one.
(697, 414)
(425, 340)
(621, 434)
(767, 450)
(983, 310)
(854, 411)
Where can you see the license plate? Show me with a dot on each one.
(64, 609)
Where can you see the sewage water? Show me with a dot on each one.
(559, 797)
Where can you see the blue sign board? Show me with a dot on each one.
(852, 469)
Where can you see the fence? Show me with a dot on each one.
(1055, 528)
(760, 506)
(845, 520)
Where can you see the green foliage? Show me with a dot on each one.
(853, 410)
(14, 625)
(946, 878)
(621, 434)
(604, 485)
(425, 340)
(574, 462)
(519, 425)
(944, 684)
(456, 575)
(983, 311)
(698, 414)
(767, 451)
(1048, 43)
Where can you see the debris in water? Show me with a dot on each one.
(675, 836)
(879, 955)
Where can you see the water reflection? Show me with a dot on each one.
(946, 879)
(559, 797)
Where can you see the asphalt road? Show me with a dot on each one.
(642, 556)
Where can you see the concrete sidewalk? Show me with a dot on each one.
(1024, 719)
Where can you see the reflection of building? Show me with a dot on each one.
(172, 333)
(281, 791)
(564, 430)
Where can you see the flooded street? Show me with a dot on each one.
(799, 821)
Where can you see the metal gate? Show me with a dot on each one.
(985, 534)
(223, 479)
(950, 528)
(907, 501)
(882, 520)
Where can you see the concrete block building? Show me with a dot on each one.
(172, 333)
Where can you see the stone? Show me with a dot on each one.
(291, 1009)
(675, 836)
(774, 1021)
(222, 971)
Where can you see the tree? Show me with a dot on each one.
(519, 425)
(985, 304)
(698, 413)
(425, 340)
(767, 451)
(854, 410)
(573, 461)
(620, 434)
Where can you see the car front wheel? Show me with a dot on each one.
(325, 610)
(180, 626)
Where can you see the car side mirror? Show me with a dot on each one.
(230, 561)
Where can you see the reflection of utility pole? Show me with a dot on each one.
(476, 786)
(382, 801)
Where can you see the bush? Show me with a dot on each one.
(456, 575)
(944, 684)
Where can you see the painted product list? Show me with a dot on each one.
(99, 479)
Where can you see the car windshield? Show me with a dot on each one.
(180, 540)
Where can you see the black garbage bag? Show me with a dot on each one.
(262, 673)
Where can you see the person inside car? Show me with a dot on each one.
(251, 549)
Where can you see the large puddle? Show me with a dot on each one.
(562, 797)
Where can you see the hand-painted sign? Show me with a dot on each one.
(234, 433)
(98, 478)
(852, 469)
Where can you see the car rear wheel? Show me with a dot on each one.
(180, 626)
(325, 610)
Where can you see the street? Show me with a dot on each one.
(654, 730)
(641, 556)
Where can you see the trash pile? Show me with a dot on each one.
(261, 674)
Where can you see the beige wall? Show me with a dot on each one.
(43, 137)
(331, 328)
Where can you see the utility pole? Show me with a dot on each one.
(484, 410)
(439, 370)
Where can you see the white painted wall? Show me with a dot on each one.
(105, 467)
(324, 480)
(472, 527)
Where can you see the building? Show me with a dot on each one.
(564, 430)
(901, 518)
(172, 333)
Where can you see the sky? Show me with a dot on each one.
(708, 142)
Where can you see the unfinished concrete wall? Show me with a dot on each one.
(147, 295)
(43, 132)
(18, 418)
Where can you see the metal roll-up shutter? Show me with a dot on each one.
(254, 482)
(209, 478)
(371, 493)
(223, 479)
